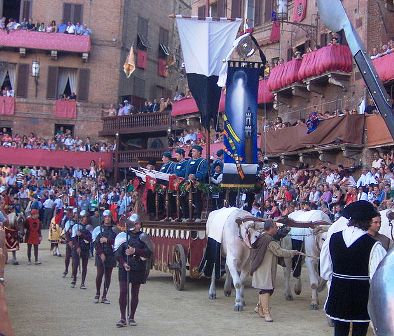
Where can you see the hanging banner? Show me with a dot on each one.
(240, 124)
(299, 10)
(205, 43)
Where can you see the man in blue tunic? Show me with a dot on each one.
(180, 171)
(219, 161)
(168, 166)
(197, 172)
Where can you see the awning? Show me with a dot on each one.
(189, 106)
(165, 49)
(385, 67)
(144, 41)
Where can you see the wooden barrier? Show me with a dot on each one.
(5, 323)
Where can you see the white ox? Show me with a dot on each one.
(221, 225)
(312, 243)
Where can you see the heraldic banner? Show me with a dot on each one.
(240, 124)
(205, 43)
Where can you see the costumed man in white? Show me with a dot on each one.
(349, 259)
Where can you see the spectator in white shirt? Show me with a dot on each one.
(377, 161)
(366, 178)
(69, 142)
(362, 195)
(70, 28)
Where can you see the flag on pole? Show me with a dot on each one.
(129, 64)
(205, 44)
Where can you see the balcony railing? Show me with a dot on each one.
(126, 157)
(136, 123)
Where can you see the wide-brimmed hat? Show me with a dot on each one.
(360, 210)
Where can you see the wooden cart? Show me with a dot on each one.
(179, 248)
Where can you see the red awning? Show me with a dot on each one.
(385, 67)
(330, 58)
(189, 106)
(284, 75)
(184, 106)
(53, 159)
(45, 41)
(7, 105)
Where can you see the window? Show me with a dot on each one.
(160, 92)
(7, 76)
(72, 12)
(289, 54)
(213, 10)
(25, 9)
(64, 128)
(323, 39)
(163, 43)
(142, 33)
(11, 9)
(65, 81)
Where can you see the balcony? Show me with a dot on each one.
(124, 159)
(136, 123)
(385, 67)
(7, 106)
(23, 39)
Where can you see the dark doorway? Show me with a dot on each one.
(12, 9)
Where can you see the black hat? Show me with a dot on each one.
(167, 154)
(180, 151)
(360, 210)
(220, 152)
(152, 162)
(197, 147)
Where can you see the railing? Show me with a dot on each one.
(147, 121)
(126, 157)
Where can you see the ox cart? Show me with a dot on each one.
(179, 248)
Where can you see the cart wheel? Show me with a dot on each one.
(179, 271)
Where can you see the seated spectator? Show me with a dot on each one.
(62, 28)
(30, 25)
(121, 110)
(41, 27)
(2, 22)
(155, 106)
(51, 28)
(78, 29)
(23, 24)
(86, 31)
(73, 96)
(70, 29)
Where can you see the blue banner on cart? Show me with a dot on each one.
(240, 124)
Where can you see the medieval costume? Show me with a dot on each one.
(104, 239)
(54, 234)
(264, 261)
(81, 238)
(13, 234)
(67, 235)
(33, 235)
(132, 250)
(349, 259)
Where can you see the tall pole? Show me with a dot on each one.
(207, 9)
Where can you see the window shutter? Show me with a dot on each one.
(236, 8)
(67, 12)
(25, 9)
(268, 11)
(78, 13)
(22, 80)
(53, 73)
(289, 54)
(83, 84)
(221, 8)
(201, 11)
(257, 12)
(323, 40)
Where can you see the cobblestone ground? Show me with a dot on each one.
(42, 303)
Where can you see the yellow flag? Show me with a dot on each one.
(129, 64)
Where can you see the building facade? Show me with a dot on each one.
(91, 66)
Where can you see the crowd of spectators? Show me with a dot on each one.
(52, 190)
(385, 49)
(7, 92)
(150, 106)
(327, 189)
(63, 140)
(27, 24)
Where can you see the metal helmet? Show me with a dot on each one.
(132, 220)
